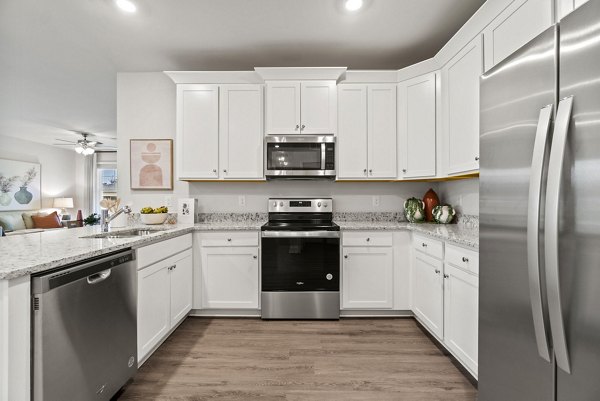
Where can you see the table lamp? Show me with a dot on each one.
(63, 204)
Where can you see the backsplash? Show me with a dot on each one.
(467, 220)
(368, 216)
(232, 217)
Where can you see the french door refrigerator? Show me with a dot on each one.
(539, 312)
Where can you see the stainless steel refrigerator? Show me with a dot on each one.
(539, 312)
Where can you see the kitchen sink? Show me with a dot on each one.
(126, 233)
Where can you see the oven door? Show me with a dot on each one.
(299, 156)
(300, 261)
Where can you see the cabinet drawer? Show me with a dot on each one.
(162, 250)
(366, 239)
(428, 246)
(229, 239)
(462, 258)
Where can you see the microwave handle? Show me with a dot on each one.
(323, 156)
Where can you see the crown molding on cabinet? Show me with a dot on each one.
(300, 73)
(369, 76)
(215, 77)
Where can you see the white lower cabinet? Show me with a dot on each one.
(164, 299)
(230, 278)
(461, 309)
(367, 278)
(428, 290)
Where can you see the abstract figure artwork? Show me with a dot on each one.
(151, 162)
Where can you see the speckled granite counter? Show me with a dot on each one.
(447, 232)
(32, 253)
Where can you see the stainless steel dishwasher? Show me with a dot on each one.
(85, 329)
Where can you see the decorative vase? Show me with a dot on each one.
(443, 214)
(23, 196)
(414, 210)
(430, 200)
(5, 199)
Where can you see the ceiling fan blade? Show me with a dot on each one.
(64, 140)
(62, 144)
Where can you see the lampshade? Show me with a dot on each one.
(63, 203)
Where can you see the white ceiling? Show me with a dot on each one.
(59, 58)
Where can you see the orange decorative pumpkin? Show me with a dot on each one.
(431, 200)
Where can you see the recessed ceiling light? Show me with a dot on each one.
(128, 6)
(353, 5)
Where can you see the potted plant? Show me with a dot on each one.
(92, 220)
(6, 184)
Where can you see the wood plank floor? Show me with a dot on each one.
(251, 359)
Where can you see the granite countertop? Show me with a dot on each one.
(457, 234)
(37, 252)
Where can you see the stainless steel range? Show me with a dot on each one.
(300, 260)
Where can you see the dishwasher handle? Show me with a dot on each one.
(98, 277)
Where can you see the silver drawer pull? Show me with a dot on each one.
(424, 245)
(368, 239)
(228, 239)
(345, 256)
(254, 257)
(446, 276)
(465, 259)
(437, 271)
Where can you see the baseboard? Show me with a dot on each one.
(225, 312)
(375, 313)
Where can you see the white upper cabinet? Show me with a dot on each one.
(241, 132)
(417, 127)
(565, 7)
(283, 107)
(318, 113)
(352, 132)
(381, 119)
(367, 131)
(520, 22)
(301, 107)
(197, 140)
(219, 132)
(460, 83)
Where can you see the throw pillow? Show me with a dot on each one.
(50, 221)
(12, 222)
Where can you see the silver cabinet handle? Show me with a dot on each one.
(297, 126)
(365, 171)
(424, 245)
(214, 170)
(368, 239)
(437, 271)
(225, 170)
(404, 170)
(465, 259)
(370, 171)
(476, 158)
(555, 172)
(171, 268)
(254, 257)
(302, 127)
(533, 230)
(228, 239)
(345, 256)
(446, 276)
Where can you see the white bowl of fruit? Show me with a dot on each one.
(157, 215)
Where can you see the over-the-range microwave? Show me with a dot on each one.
(300, 156)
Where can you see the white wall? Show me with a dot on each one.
(348, 197)
(463, 195)
(145, 110)
(58, 171)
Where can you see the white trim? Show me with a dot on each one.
(300, 73)
(214, 77)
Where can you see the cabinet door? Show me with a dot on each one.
(417, 127)
(352, 135)
(461, 111)
(367, 278)
(181, 288)
(461, 295)
(197, 144)
(318, 111)
(241, 132)
(153, 311)
(428, 300)
(522, 21)
(381, 117)
(283, 108)
(230, 278)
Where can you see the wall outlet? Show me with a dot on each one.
(242, 200)
(168, 202)
(376, 201)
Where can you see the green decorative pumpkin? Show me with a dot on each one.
(414, 210)
(443, 214)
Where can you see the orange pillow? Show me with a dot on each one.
(50, 221)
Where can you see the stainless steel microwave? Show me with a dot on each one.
(300, 156)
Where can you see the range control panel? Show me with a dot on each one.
(301, 205)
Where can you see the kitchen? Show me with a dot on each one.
(368, 145)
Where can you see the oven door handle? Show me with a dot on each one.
(300, 234)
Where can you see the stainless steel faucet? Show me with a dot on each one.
(105, 218)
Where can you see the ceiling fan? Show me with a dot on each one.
(84, 146)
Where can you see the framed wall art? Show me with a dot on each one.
(20, 185)
(151, 163)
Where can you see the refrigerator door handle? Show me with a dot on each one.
(555, 170)
(533, 229)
